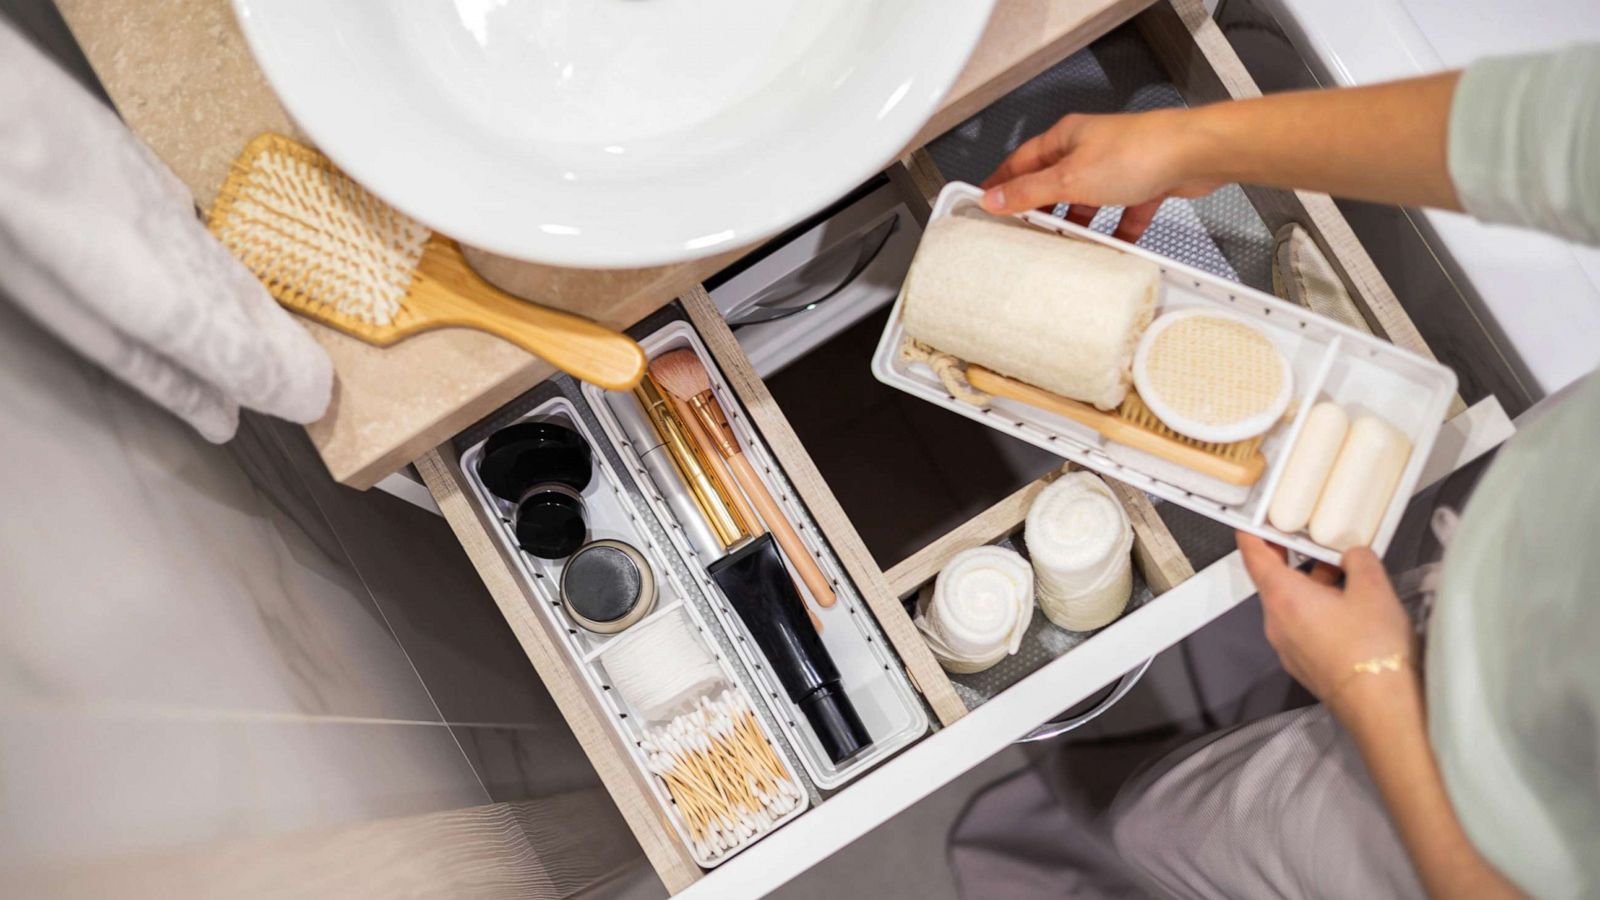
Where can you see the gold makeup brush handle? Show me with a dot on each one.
(805, 565)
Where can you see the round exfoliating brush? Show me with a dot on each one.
(1212, 376)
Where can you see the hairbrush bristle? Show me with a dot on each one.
(1137, 412)
(320, 242)
(681, 374)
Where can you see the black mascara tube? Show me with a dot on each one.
(762, 593)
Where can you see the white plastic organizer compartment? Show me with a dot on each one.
(869, 670)
(1361, 373)
(610, 515)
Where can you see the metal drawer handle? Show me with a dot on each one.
(1061, 726)
(819, 280)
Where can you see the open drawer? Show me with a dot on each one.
(563, 655)
(969, 725)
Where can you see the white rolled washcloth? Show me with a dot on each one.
(1080, 541)
(99, 243)
(1058, 313)
(981, 606)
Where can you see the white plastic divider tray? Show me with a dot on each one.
(609, 515)
(869, 670)
(1361, 373)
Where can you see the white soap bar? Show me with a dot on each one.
(1308, 467)
(1362, 482)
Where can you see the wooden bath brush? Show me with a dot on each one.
(329, 250)
(1134, 425)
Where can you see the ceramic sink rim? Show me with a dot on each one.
(728, 196)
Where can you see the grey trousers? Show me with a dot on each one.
(1281, 807)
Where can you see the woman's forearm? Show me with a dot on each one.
(1385, 143)
(1385, 716)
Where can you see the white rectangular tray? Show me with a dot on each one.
(1362, 373)
(610, 515)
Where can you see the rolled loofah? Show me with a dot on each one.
(1060, 314)
(981, 606)
(1080, 541)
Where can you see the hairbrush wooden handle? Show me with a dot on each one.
(455, 295)
(805, 565)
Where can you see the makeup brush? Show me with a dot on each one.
(329, 250)
(683, 376)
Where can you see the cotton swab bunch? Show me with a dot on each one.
(723, 775)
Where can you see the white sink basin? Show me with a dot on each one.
(611, 133)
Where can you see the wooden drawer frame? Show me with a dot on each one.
(1204, 68)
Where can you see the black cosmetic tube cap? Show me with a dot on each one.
(761, 591)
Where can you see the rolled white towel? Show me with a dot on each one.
(981, 606)
(1080, 541)
(1061, 314)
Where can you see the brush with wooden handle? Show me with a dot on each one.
(1134, 425)
(718, 471)
(685, 377)
(329, 250)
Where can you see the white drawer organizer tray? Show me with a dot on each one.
(1361, 373)
(868, 669)
(609, 515)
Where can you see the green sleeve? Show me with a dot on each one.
(1525, 141)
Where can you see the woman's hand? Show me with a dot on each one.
(1322, 631)
(1384, 142)
(1134, 160)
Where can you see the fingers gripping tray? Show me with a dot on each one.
(1365, 375)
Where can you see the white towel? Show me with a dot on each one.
(1081, 542)
(981, 606)
(100, 244)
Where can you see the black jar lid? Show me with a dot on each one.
(519, 456)
(549, 522)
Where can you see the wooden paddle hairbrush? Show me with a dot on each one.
(329, 250)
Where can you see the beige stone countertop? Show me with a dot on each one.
(182, 77)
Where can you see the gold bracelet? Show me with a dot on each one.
(1377, 665)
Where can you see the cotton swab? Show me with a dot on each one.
(722, 773)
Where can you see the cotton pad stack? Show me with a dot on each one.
(661, 667)
(1080, 541)
(1060, 314)
(981, 606)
